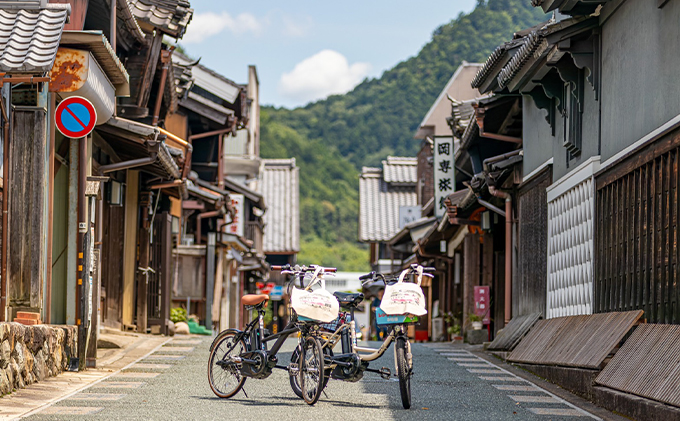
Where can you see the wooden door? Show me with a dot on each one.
(112, 264)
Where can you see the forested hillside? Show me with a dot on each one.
(333, 138)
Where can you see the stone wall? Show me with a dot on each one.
(31, 353)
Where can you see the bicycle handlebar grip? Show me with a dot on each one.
(429, 269)
(330, 269)
(277, 267)
(367, 276)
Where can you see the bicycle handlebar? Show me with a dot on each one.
(390, 279)
(367, 276)
(300, 269)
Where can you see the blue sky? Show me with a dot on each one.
(306, 50)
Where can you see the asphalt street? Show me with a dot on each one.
(449, 383)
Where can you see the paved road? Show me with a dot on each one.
(450, 383)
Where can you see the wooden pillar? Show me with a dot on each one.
(449, 287)
(209, 279)
(165, 277)
(217, 296)
(130, 245)
(471, 274)
(144, 259)
(47, 314)
(487, 261)
(95, 302)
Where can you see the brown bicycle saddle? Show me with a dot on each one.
(254, 299)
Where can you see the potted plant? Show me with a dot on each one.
(453, 328)
(454, 332)
(476, 321)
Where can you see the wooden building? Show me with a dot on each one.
(220, 254)
(101, 198)
(597, 193)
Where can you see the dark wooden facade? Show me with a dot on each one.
(27, 166)
(636, 233)
(528, 284)
(158, 287)
(113, 225)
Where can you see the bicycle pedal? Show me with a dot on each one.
(293, 369)
(385, 373)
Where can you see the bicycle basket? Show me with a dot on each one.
(389, 319)
(332, 326)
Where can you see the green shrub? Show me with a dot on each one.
(178, 314)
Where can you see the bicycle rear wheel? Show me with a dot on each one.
(224, 376)
(403, 371)
(311, 374)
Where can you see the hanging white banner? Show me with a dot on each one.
(444, 180)
(236, 226)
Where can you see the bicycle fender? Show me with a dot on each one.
(219, 336)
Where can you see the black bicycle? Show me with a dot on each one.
(236, 354)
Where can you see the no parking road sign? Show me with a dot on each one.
(75, 117)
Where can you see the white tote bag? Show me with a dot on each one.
(404, 297)
(318, 305)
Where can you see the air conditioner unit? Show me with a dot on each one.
(438, 329)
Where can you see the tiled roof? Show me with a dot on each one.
(571, 7)
(209, 79)
(170, 16)
(490, 63)
(434, 123)
(462, 112)
(400, 170)
(380, 200)
(29, 39)
(534, 43)
(527, 50)
(183, 78)
(280, 188)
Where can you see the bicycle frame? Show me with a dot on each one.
(260, 340)
(364, 353)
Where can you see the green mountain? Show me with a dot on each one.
(333, 138)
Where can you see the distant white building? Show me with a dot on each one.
(350, 282)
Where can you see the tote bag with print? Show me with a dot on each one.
(403, 298)
(318, 305)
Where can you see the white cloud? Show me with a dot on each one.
(325, 73)
(206, 25)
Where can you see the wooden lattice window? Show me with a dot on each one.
(637, 235)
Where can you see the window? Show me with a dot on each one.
(572, 114)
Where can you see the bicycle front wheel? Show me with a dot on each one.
(295, 381)
(403, 371)
(311, 374)
(223, 375)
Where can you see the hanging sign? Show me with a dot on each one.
(444, 181)
(236, 226)
(75, 117)
(482, 297)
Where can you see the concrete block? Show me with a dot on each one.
(579, 381)
(633, 406)
(476, 337)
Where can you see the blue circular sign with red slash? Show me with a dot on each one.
(75, 117)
